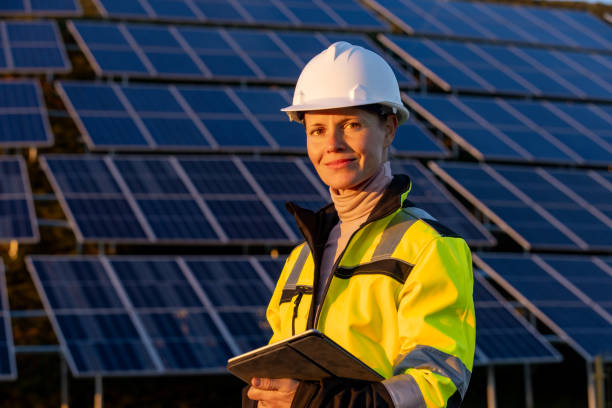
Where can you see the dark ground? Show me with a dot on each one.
(38, 385)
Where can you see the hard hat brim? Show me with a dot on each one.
(293, 111)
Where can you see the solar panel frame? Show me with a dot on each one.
(28, 10)
(25, 195)
(58, 46)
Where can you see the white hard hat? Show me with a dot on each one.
(346, 75)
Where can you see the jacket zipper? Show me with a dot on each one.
(296, 304)
(331, 275)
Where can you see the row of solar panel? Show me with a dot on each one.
(519, 130)
(507, 69)
(539, 208)
(462, 19)
(136, 315)
(294, 13)
(169, 117)
(211, 199)
(495, 21)
(166, 51)
(162, 117)
(40, 7)
(570, 294)
(180, 52)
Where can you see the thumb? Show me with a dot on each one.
(264, 383)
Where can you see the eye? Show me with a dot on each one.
(353, 125)
(316, 131)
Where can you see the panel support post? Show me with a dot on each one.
(64, 382)
(599, 382)
(528, 386)
(98, 392)
(592, 399)
(491, 400)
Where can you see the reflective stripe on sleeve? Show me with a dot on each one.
(429, 358)
(404, 392)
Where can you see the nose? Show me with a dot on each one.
(335, 140)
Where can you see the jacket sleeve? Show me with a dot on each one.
(436, 328)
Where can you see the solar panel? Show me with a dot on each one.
(505, 69)
(504, 129)
(41, 7)
(17, 217)
(554, 296)
(533, 207)
(166, 51)
(502, 335)
(164, 200)
(501, 22)
(23, 116)
(8, 365)
(345, 14)
(130, 316)
(32, 47)
(414, 139)
(427, 193)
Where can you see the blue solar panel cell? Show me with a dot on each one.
(249, 329)
(149, 36)
(152, 99)
(235, 133)
(150, 176)
(15, 219)
(176, 219)
(171, 132)
(246, 220)
(105, 218)
(281, 178)
(208, 100)
(123, 8)
(119, 61)
(107, 34)
(230, 283)
(77, 284)
(155, 284)
(83, 176)
(414, 139)
(289, 135)
(12, 181)
(172, 9)
(211, 177)
(113, 131)
(86, 96)
(104, 343)
(186, 340)
(16, 128)
(266, 13)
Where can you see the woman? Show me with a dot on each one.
(380, 277)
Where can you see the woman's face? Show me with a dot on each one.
(347, 145)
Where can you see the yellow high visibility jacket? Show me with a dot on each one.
(399, 298)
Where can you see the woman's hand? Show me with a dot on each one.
(272, 393)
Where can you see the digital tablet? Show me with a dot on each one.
(308, 356)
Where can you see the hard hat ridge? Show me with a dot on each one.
(346, 75)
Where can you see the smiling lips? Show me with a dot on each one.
(338, 164)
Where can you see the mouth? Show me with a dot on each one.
(338, 164)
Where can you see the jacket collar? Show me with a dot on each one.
(316, 226)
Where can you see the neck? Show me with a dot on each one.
(358, 202)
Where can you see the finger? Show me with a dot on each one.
(280, 384)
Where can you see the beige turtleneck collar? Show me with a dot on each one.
(354, 208)
(355, 204)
